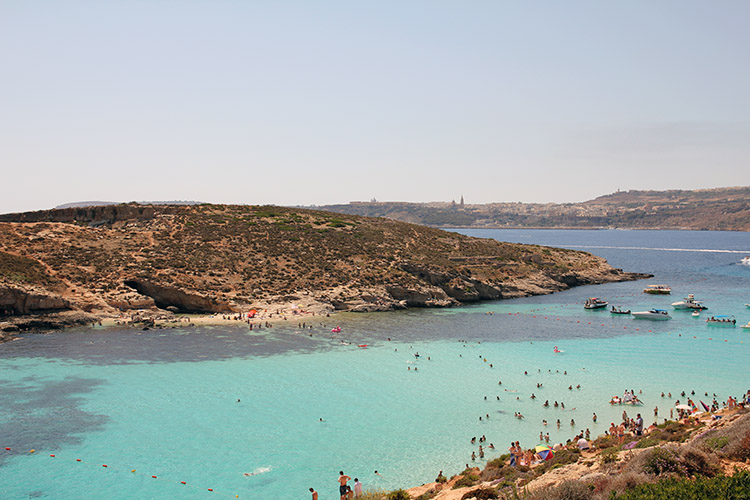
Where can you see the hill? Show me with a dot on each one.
(708, 209)
(215, 258)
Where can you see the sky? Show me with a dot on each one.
(320, 102)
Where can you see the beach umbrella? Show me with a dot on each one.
(544, 452)
(684, 407)
(705, 406)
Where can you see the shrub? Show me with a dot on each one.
(733, 487)
(661, 461)
(731, 442)
(647, 443)
(467, 480)
(716, 443)
(499, 462)
(398, 495)
(427, 495)
(607, 485)
(373, 495)
(480, 494)
(568, 490)
(609, 456)
(697, 462)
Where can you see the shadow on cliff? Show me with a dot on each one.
(45, 415)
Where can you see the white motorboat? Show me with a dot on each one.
(745, 261)
(689, 302)
(657, 314)
(594, 303)
(747, 326)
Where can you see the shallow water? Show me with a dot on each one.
(165, 403)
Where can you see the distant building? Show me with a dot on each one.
(461, 203)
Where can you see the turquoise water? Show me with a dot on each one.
(164, 403)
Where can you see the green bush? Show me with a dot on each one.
(735, 487)
(481, 494)
(398, 495)
(467, 480)
(662, 461)
(647, 443)
(698, 463)
(609, 456)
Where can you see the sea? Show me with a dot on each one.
(394, 398)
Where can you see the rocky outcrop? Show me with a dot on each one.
(93, 215)
(18, 300)
(170, 297)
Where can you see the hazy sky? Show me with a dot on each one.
(316, 102)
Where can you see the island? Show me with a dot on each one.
(79, 265)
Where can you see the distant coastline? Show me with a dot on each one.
(709, 209)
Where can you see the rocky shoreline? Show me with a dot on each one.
(76, 266)
(708, 445)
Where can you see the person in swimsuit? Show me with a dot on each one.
(314, 494)
(342, 484)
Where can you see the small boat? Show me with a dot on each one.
(619, 310)
(723, 320)
(696, 314)
(745, 261)
(658, 289)
(657, 314)
(336, 329)
(747, 326)
(689, 302)
(594, 303)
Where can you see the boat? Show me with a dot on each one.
(619, 310)
(747, 326)
(658, 289)
(594, 303)
(657, 314)
(745, 261)
(689, 302)
(723, 320)
(696, 314)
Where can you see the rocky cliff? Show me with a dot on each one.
(215, 258)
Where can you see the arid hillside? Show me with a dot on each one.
(216, 258)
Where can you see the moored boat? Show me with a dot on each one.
(657, 314)
(658, 289)
(747, 326)
(619, 310)
(723, 320)
(594, 303)
(689, 302)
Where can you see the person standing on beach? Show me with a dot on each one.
(342, 484)
(639, 425)
(358, 488)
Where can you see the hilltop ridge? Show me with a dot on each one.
(706, 209)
